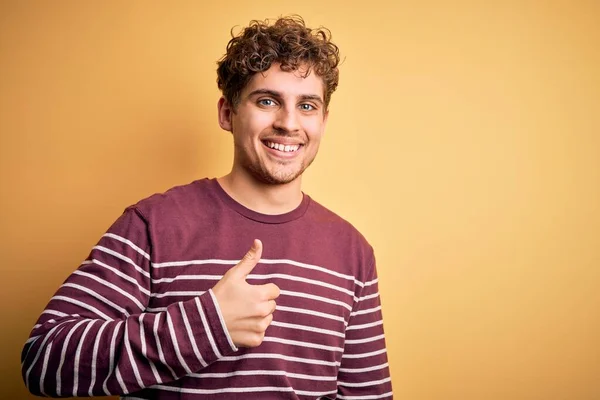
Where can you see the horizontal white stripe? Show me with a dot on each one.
(112, 286)
(279, 308)
(308, 266)
(262, 261)
(155, 309)
(371, 296)
(124, 258)
(189, 278)
(366, 369)
(52, 320)
(119, 273)
(367, 311)
(191, 293)
(194, 262)
(366, 340)
(363, 384)
(83, 305)
(49, 322)
(310, 312)
(363, 326)
(307, 328)
(257, 277)
(374, 281)
(97, 296)
(280, 357)
(265, 373)
(57, 313)
(301, 279)
(368, 283)
(363, 355)
(301, 344)
(309, 393)
(314, 297)
(128, 242)
(366, 397)
(224, 390)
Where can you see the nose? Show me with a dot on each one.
(286, 120)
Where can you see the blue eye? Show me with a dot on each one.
(307, 107)
(266, 102)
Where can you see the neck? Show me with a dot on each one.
(261, 197)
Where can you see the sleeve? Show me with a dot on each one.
(94, 338)
(364, 370)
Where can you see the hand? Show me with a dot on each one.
(247, 309)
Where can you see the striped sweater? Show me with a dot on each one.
(138, 318)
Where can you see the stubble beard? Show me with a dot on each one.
(263, 174)
(275, 174)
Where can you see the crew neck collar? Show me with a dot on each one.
(256, 216)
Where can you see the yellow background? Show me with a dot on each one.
(464, 142)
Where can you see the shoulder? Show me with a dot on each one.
(331, 220)
(175, 201)
(340, 231)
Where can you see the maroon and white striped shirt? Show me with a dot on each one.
(138, 317)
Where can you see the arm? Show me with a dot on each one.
(364, 371)
(94, 337)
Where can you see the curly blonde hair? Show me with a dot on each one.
(288, 42)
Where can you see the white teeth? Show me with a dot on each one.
(281, 147)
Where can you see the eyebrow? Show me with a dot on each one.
(277, 94)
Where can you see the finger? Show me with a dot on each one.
(272, 306)
(268, 320)
(263, 323)
(265, 309)
(250, 259)
(268, 291)
(256, 324)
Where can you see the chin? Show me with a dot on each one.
(279, 180)
(271, 178)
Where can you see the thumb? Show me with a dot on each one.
(250, 259)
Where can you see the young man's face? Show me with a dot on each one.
(277, 125)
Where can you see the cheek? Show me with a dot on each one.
(314, 129)
(252, 128)
(259, 121)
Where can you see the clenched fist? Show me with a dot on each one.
(247, 309)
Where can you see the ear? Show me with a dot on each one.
(325, 117)
(225, 114)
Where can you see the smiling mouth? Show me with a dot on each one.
(285, 148)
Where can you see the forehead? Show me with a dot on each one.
(292, 83)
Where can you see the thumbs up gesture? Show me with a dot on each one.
(247, 309)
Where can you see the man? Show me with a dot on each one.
(167, 306)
